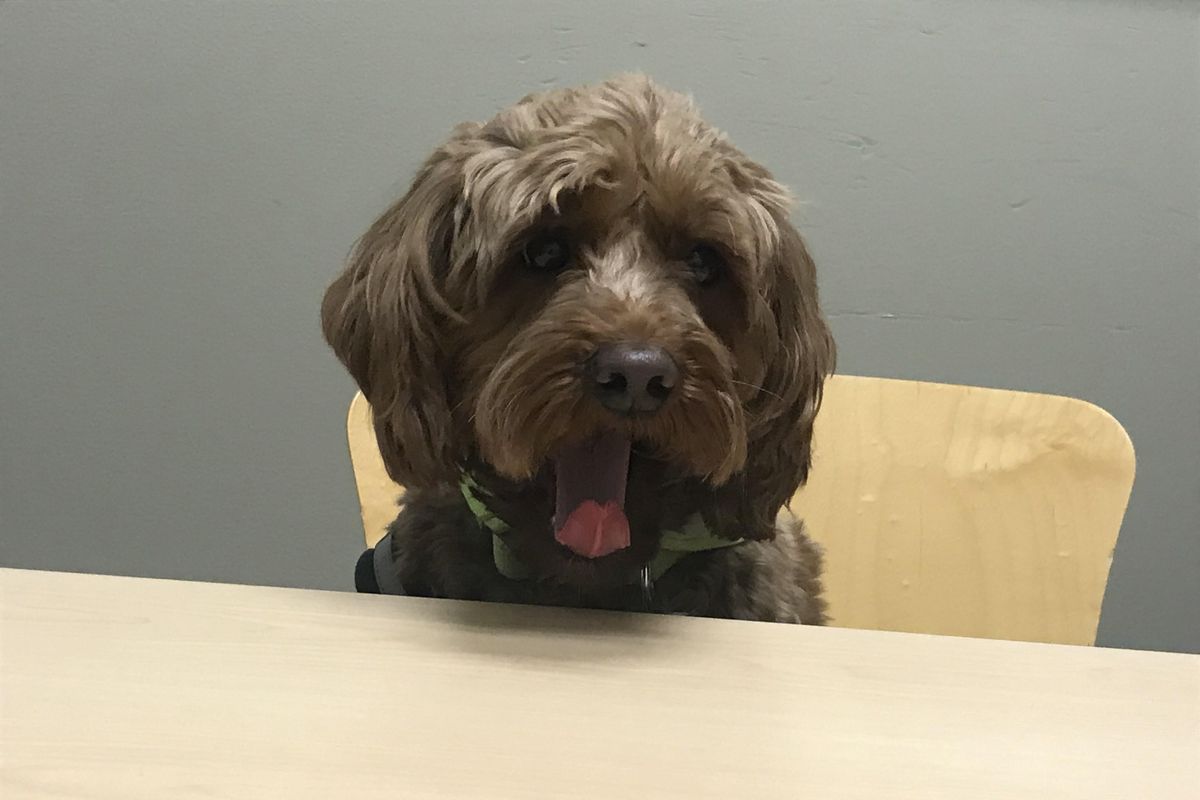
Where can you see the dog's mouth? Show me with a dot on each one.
(590, 481)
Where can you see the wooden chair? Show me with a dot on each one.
(377, 493)
(942, 509)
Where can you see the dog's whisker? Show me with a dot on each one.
(757, 388)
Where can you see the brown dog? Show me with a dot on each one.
(593, 347)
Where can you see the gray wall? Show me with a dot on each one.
(1001, 193)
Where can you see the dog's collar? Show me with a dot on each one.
(693, 536)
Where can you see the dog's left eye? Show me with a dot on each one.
(705, 263)
(548, 252)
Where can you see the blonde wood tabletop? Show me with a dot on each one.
(133, 688)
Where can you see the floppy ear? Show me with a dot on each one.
(799, 354)
(385, 318)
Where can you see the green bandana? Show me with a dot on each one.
(693, 537)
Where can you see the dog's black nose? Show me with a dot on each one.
(631, 378)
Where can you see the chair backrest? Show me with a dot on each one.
(378, 495)
(942, 509)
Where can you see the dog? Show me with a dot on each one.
(592, 345)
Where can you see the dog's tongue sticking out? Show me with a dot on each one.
(589, 509)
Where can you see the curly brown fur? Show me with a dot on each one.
(472, 360)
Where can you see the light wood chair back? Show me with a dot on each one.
(942, 509)
(378, 494)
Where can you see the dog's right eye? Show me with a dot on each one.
(547, 252)
(705, 263)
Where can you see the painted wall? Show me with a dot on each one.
(1002, 193)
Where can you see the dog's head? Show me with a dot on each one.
(597, 305)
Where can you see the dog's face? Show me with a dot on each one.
(597, 305)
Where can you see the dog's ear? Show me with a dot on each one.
(799, 355)
(385, 318)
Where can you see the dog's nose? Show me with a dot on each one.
(632, 378)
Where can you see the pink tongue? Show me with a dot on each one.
(590, 478)
(595, 530)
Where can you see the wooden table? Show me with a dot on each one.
(129, 688)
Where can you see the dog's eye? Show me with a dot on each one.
(705, 263)
(548, 252)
